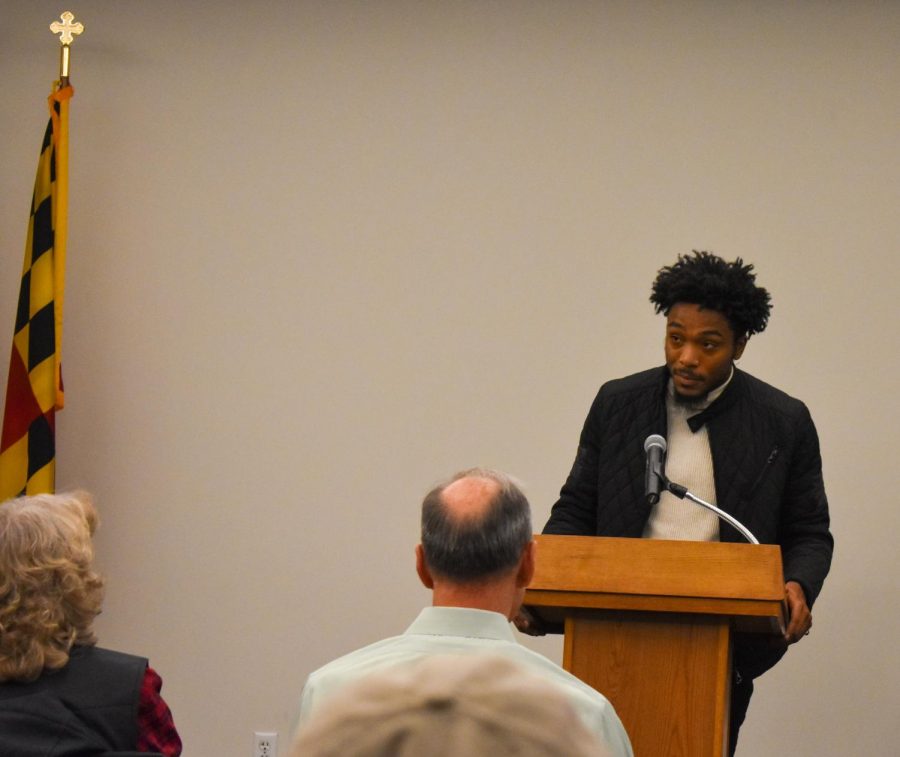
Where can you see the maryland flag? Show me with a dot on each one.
(34, 392)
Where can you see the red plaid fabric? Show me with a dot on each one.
(156, 729)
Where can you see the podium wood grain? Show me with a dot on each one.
(648, 624)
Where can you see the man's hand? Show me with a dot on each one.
(527, 623)
(800, 618)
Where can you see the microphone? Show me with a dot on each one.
(655, 475)
(655, 481)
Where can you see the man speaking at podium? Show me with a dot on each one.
(732, 440)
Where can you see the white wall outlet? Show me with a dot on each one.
(265, 744)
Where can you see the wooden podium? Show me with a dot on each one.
(648, 624)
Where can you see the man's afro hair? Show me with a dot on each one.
(706, 280)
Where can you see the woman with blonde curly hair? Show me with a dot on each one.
(59, 693)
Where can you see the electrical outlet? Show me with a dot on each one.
(265, 744)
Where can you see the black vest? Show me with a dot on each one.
(83, 709)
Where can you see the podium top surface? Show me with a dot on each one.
(592, 572)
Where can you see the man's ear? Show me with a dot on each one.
(526, 565)
(422, 568)
(739, 345)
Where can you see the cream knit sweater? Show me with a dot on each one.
(689, 463)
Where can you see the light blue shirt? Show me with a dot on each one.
(457, 630)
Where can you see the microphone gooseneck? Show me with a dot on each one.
(682, 493)
(655, 481)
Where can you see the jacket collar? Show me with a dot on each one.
(724, 401)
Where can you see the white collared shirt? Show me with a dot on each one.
(457, 630)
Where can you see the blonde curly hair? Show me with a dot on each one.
(49, 594)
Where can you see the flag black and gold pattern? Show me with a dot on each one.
(34, 389)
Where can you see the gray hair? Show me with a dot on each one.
(470, 549)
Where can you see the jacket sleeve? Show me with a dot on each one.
(806, 542)
(575, 512)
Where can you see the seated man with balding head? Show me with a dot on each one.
(477, 556)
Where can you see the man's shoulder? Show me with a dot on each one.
(765, 396)
(325, 681)
(357, 660)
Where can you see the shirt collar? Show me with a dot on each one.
(717, 392)
(461, 621)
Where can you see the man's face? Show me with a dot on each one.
(700, 348)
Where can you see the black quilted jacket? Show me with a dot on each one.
(766, 460)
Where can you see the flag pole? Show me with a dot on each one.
(67, 29)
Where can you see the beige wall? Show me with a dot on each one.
(325, 253)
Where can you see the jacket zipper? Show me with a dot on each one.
(769, 460)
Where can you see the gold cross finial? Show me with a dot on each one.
(66, 30)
